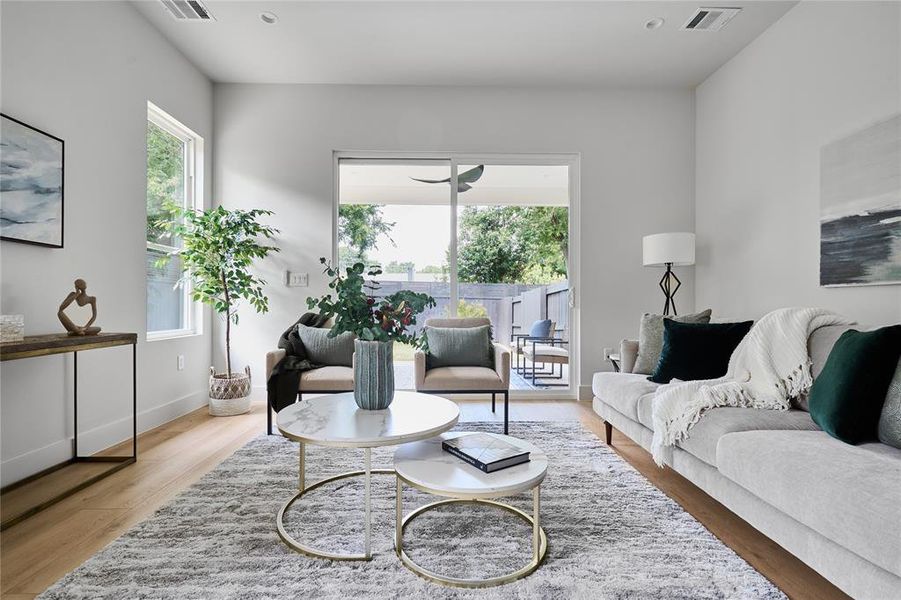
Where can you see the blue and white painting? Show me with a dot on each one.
(860, 207)
(31, 185)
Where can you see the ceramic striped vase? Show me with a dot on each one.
(373, 374)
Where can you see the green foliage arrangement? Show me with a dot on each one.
(217, 250)
(357, 310)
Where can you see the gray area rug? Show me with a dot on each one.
(611, 535)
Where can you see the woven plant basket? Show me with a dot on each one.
(229, 395)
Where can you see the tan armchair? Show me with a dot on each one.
(466, 380)
(324, 380)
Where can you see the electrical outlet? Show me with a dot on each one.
(607, 353)
(181, 362)
(294, 279)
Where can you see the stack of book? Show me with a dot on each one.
(485, 452)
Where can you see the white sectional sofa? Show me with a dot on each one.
(835, 506)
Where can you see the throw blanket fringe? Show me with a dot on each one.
(769, 368)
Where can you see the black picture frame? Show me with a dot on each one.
(62, 189)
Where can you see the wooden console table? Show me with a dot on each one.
(61, 343)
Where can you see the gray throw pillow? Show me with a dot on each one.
(650, 338)
(323, 350)
(889, 430)
(459, 347)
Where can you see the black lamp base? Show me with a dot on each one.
(669, 290)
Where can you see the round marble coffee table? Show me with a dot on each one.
(336, 420)
(427, 467)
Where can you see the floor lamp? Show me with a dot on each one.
(669, 250)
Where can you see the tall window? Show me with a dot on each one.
(174, 165)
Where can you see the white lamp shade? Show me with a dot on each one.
(662, 248)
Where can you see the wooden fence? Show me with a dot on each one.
(512, 308)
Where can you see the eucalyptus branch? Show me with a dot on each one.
(357, 310)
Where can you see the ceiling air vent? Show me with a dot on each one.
(710, 19)
(187, 10)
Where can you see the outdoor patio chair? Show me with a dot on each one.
(464, 379)
(540, 331)
(545, 351)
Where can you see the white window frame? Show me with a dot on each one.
(193, 198)
(573, 160)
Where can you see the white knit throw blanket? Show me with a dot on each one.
(769, 367)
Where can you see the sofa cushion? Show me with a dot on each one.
(327, 379)
(448, 379)
(847, 398)
(889, 430)
(704, 437)
(645, 409)
(819, 345)
(650, 338)
(696, 351)
(622, 390)
(848, 494)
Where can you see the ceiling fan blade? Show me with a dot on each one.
(431, 180)
(472, 175)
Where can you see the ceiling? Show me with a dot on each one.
(424, 42)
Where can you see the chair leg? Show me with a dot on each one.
(506, 412)
(268, 418)
(608, 432)
(492, 401)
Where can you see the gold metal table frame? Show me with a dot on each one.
(441, 415)
(539, 538)
(303, 489)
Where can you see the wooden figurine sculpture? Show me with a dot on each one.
(80, 297)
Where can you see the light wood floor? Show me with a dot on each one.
(40, 550)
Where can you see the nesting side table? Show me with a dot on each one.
(427, 467)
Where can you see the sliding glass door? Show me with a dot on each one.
(484, 237)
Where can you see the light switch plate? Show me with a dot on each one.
(295, 279)
(181, 362)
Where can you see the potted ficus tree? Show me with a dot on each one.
(218, 247)
(376, 322)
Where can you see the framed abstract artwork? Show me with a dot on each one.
(31, 184)
(860, 207)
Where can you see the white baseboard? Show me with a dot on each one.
(585, 392)
(33, 461)
(93, 440)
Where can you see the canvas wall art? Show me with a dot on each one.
(860, 207)
(31, 184)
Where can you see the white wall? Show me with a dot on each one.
(84, 72)
(825, 70)
(274, 148)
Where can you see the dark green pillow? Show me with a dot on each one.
(846, 398)
(459, 347)
(693, 351)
